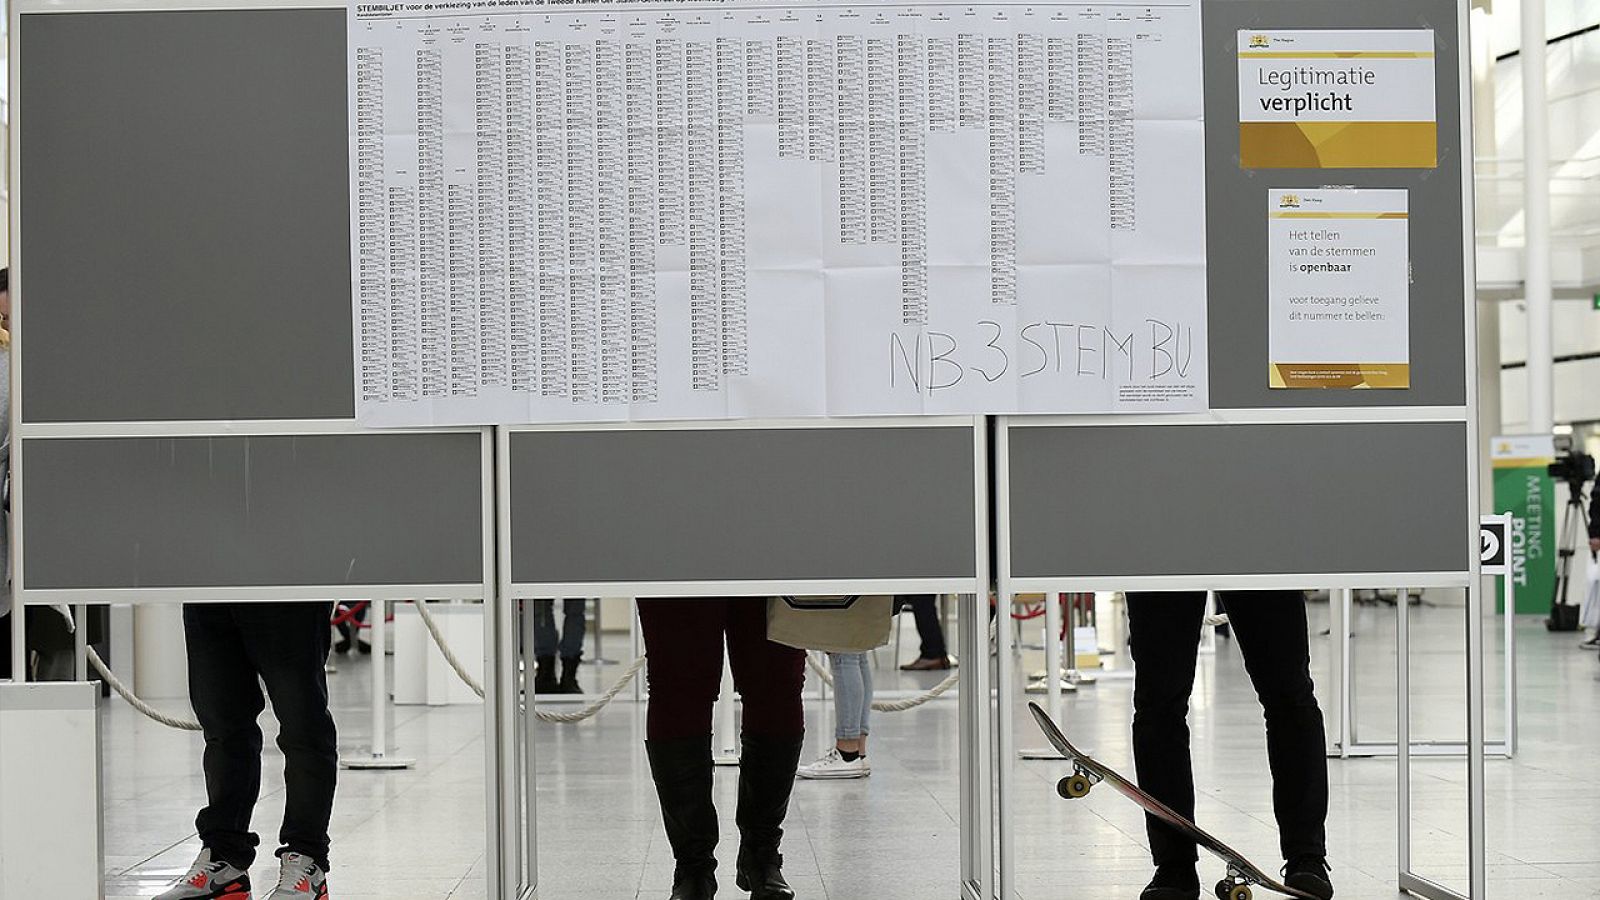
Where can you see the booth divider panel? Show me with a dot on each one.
(733, 504)
(1238, 500)
(253, 511)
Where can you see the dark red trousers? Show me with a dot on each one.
(683, 639)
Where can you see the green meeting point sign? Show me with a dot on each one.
(1524, 488)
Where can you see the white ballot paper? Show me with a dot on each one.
(586, 211)
(1339, 287)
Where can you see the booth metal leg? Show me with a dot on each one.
(977, 749)
(1005, 743)
(80, 642)
(1477, 873)
(527, 776)
(1477, 820)
(19, 642)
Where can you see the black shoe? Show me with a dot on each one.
(766, 779)
(693, 886)
(544, 681)
(1173, 883)
(1309, 874)
(681, 770)
(343, 645)
(569, 676)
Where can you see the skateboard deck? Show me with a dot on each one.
(1087, 772)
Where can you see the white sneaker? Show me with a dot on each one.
(833, 765)
(299, 879)
(210, 880)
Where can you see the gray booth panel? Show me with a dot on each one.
(253, 511)
(1236, 213)
(1239, 499)
(185, 241)
(730, 504)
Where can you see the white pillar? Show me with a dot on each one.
(1536, 189)
(160, 665)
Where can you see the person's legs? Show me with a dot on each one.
(683, 641)
(1271, 628)
(227, 701)
(852, 695)
(1165, 633)
(849, 697)
(769, 677)
(544, 647)
(51, 645)
(572, 629)
(573, 626)
(544, 628)
(935, 653)
(288, 644)
(865, 662)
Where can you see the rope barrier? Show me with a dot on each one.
(134, 701)
(568, 718)
(599, 704)
(890, 706)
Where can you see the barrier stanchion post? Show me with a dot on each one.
(1208, 636)
(726, 752)
(378, 756)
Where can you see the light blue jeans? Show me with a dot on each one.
(852, 694)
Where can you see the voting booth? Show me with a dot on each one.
(322, 300)
(1305, 473)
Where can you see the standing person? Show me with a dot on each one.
(1270, 627)
(546, 645)
(935, 653)
(233, 648)
(852, 708)
(683, 640)
(50, 649)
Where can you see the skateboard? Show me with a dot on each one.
(1087, 772)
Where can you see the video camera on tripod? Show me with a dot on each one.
(1574, 468)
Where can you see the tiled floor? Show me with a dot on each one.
(418, 833)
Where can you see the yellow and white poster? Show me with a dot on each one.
(1339, 289)
(1337, 100)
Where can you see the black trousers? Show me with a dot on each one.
(1270, 627)
(925, 610)
(234, 648)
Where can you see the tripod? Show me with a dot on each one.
(1574, 527)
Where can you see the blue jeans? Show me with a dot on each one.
(572, 625)
(852, 694)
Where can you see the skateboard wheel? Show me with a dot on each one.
(1241, 892)
(1073, 787)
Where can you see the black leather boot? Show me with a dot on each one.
(544, 680)
(681, 769)
(766, 779)
(569, 676)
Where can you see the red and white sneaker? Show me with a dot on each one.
(299, 878)
(210, 879)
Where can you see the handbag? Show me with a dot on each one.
(842, 623)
